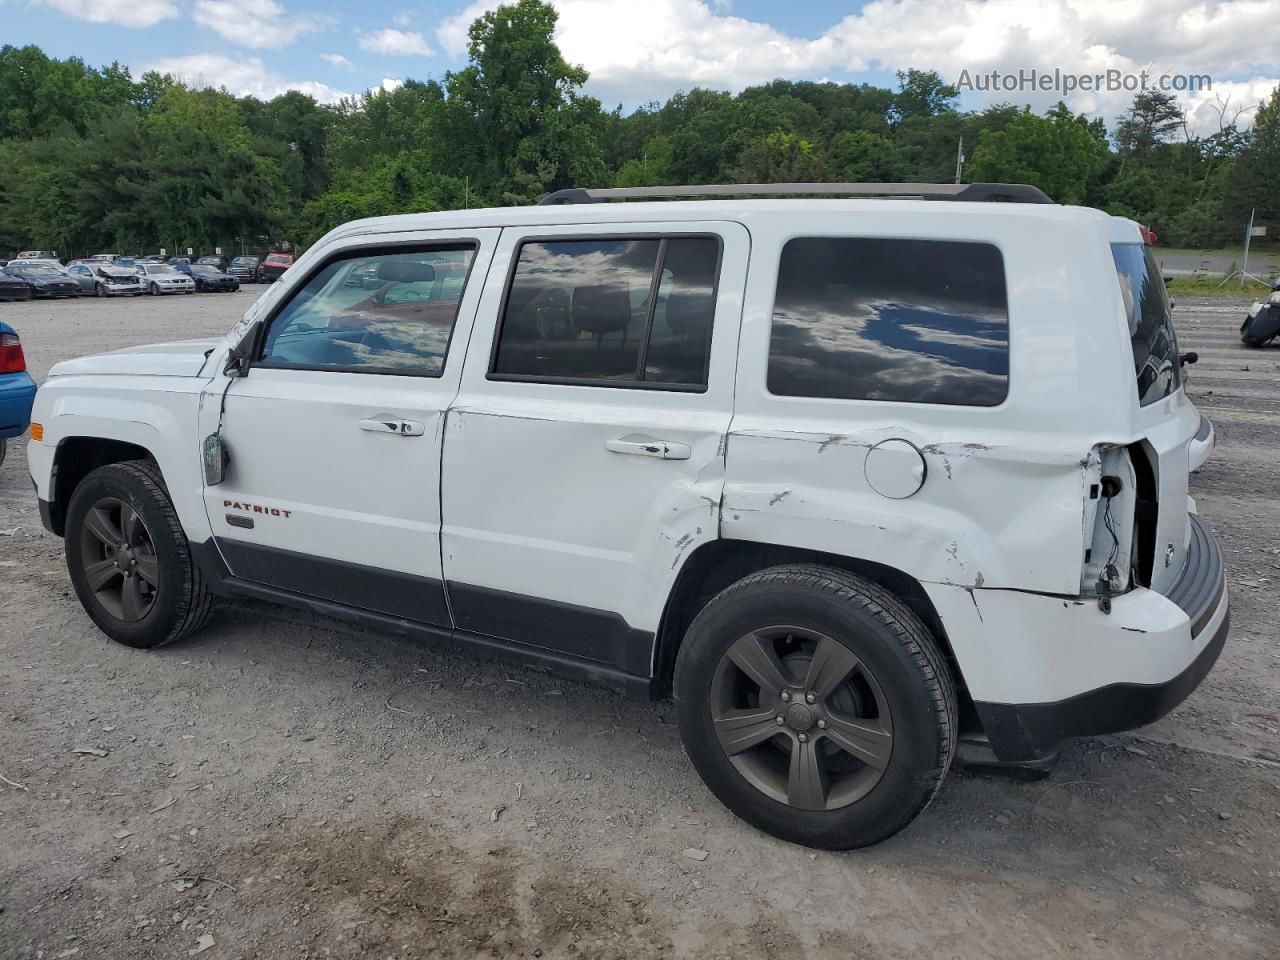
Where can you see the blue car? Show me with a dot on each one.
(17, 389)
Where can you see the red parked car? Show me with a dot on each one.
(273, 266)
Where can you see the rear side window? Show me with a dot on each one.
(389, 311)
(1146, 306)
(610, 311)
(918, 321)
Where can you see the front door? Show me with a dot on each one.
(584, 456)
(333, 490)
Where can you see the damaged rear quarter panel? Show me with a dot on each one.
(989, 514)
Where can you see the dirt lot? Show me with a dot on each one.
(330, 792)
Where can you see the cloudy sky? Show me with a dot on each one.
(638, 50)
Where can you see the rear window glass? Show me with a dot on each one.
(919, 321)
(1146, 306)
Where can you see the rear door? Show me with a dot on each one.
(584, 457)
(334, 435)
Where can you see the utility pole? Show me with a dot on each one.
(959, 157)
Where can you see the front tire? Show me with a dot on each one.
(816, 706)
(154, 290)
(129, 559)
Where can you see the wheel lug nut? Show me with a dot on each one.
(781, 719)
(811, 697)
(786, 696)
(822, 724)
(804, 738)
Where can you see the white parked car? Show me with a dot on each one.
(851, 477)
(158, 278)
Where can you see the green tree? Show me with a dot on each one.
(1058, 153)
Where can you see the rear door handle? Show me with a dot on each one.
(405, 428)
(662, 449)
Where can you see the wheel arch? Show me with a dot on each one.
(718, 563)
(78, 456)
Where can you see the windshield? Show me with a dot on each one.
(161, 269)
(1155, 346)
(203, 269)
(42, 268)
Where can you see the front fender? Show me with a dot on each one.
(160, 416)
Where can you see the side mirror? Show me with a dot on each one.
(240, 356)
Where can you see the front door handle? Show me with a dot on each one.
(644, 447)
(404, 428)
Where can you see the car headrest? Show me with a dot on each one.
(406, 271)
(601, 308)
(689, 314)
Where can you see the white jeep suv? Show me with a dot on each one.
(851, 477)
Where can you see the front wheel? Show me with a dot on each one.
(129, 559)
(98, 291)
(154, 290)
(816, 706)
(4, 449)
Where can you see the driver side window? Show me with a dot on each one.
(387, 311)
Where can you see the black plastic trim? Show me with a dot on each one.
(386, 592)
(1033, 731)
(972, 192)
(627, 669)
(46, 517)
(1203, 579)
(598, 635)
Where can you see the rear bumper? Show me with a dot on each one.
(17, 392)
(1104, 673)
(1034, 731)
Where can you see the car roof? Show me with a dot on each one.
(744, 210)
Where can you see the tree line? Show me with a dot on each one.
(95, 160)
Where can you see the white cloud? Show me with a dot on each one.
(124, 13)
(396, 42)
(260, 24)
(636, 52)
(337, 60)
(402, 19)
(391, 84)
(243, 76)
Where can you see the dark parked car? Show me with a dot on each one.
(17, 389)
(244, 269)
(44, 279)
(273, 267)
(208, 279)
(217, 261)
(14, 288)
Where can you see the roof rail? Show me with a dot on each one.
(972, 192)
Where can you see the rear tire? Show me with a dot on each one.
(860, 738)
(130, 500)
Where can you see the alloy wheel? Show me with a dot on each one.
(801, 717)
(118, 558)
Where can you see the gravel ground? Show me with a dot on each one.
(324, 791)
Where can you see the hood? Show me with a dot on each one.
(120, 273)
(184, 358)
